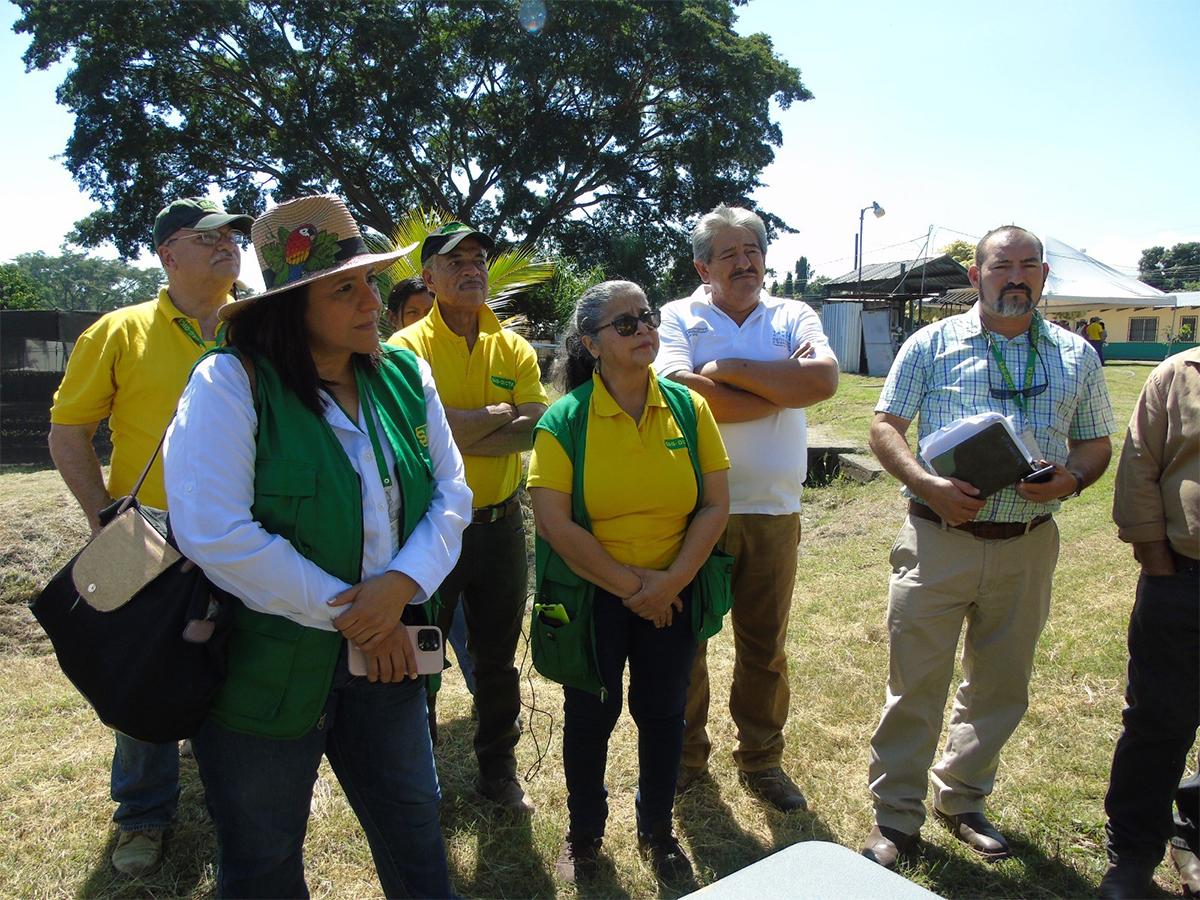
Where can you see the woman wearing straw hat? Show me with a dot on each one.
(311, 473)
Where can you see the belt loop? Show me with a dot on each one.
(945, 525)
(1028, 525)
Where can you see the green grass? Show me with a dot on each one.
(55, 836)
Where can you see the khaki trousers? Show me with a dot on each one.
(941, 577)
(764, 575)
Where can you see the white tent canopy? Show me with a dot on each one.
(1079, 282)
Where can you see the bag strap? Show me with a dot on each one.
(248, 365)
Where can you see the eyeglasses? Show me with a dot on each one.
(210, 239)
(1000, 393)
(626, 324)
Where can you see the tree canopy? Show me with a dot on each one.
(75, 281)
(1171, 270)
(960, 251)
(625, 117)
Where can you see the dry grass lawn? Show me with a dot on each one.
(55, 835)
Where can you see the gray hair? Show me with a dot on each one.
(725, 217)
(575, 364)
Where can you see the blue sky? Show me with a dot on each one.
(1077, 119)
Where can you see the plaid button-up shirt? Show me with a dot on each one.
(946, 371)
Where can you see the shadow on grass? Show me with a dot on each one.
(1029, 873)
(506, 861)
(189, 853)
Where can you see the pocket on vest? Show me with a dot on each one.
(262, 652)
(281, 487)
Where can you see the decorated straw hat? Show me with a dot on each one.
(307, 239)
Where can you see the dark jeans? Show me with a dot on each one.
(491, 577)
(1098, 346)
(1162, 713)
(660, 661)
(259, 791)
(145, 783)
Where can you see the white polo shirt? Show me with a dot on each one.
(768, 456)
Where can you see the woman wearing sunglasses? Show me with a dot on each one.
(650, 526)
(312, 474)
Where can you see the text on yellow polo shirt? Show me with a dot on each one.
(501, 368)
(638, 483)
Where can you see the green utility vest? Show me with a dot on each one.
(306, 491)
(565, 651)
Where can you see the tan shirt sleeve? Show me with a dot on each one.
(1137, 499)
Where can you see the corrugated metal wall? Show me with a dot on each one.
(843, 327)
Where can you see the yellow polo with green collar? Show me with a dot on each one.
(130, 368)
(501, 368)
(639, 486)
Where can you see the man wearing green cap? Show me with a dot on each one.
(488, 379)
(130, 368)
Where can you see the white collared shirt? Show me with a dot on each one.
(209, 457)
(769, 456)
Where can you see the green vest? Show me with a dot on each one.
(306, 490)
(565, 651)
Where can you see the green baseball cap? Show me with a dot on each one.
(450, 236)
(198, 213)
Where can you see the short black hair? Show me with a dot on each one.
(1007, 229)
(401, 291)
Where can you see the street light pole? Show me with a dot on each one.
(879, 213)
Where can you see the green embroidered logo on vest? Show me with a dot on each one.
(422, 435)
(676, 443)
(507, 383)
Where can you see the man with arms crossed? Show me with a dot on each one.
(130, 367)
(488, 380)
(988, 562)
(758, 360)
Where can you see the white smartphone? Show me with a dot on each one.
(426, 642)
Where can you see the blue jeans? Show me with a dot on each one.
(145, 783)
(660, 661)
(259, 791)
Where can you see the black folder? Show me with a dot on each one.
(988, 460)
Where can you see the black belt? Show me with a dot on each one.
(1185, 565)
(987, 531)
(485, 515)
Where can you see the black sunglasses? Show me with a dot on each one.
(626, 324)
(1008, 393)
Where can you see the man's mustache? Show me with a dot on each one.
(1023, 288)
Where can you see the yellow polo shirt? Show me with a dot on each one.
(130, 367)
(500, 368)
(639, 486)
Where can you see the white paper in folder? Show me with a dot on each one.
(950, 436)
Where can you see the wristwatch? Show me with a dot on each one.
(1078, 483)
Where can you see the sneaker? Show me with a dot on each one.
(666, 857)
(774, 786)
(137, 852)
(688, 775)
(577, 861)
(507, 793)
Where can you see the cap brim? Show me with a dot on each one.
(455, 239)
(366, 260)
(235, 221)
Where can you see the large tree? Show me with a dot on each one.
(1170, 270)
(624, 116)
(78, 281)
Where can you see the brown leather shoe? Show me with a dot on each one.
(688, 775)
(884, 845)
(774, 786)
(974, 830)
(1189, 870)
(506, 793)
